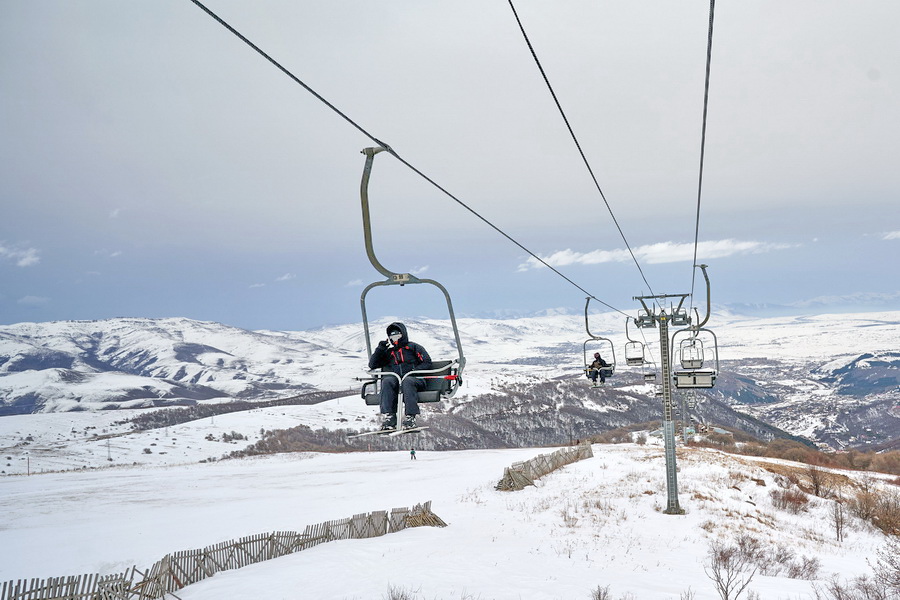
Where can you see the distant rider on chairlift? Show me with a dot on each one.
(401, 356)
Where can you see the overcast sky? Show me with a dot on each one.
(152, 164)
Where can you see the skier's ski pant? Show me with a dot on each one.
(411, 388)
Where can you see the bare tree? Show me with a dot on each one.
(820, 480)
(729, 569)
(838, 519)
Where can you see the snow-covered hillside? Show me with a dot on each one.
(829, 377)
(591, 524)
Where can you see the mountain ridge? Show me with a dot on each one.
(829, 378)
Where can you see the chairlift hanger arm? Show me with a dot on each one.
(367, 221)
(708, 303)
(628, 337)
(587, 327)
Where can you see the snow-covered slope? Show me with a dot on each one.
(594, 523)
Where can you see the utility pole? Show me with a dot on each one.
(651, 319)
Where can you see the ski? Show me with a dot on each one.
(388, 432)
(376, 432)
(407, 430)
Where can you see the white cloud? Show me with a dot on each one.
(419, 271)
(22, 257)
(891, 235)
(286, 277)
(114, 214)
(257, 285)
(33, 301)
(662, 252)
(354, 283)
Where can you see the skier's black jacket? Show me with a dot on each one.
(402, 357)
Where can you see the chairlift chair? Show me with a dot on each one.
(634, 354)
(691, 353)
(601, 345)
(606, 348)
(645, 319)
(680, 318)
(634, 350)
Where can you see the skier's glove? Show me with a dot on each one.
(383, 344)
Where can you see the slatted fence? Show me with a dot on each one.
(179, 569)
(522, 474)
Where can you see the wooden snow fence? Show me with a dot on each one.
(179, 569)
(522, 474)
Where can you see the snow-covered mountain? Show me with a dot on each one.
(832, 378)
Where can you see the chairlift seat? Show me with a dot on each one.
(603, 371)
(650, 376)
(634, 361)
(436, 386)
(694, 379)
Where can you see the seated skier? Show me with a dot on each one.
(598, 368)
(398, 355)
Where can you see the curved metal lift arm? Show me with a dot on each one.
(708, 304)
(392, 278)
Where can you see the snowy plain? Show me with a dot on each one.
(597, 522)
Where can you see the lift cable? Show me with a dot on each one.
(393, 153)
(712, 10)
(577, 144)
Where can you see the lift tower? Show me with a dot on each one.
(649, 318)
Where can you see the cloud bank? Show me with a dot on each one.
(22, 258)
(662, 252)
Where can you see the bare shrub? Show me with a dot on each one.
(729, 570)
(396, 593)
(688, 594)
(887, 462)
(601, 593)
(881, 508)
(793, 501)
(887, 567)
(861, 588)
(775, 562)
(887, 512)
(806, 568)
(864, 503)
(820, 481)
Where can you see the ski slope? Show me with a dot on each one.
(594, 523)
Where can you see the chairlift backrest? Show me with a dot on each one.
(691, 353)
